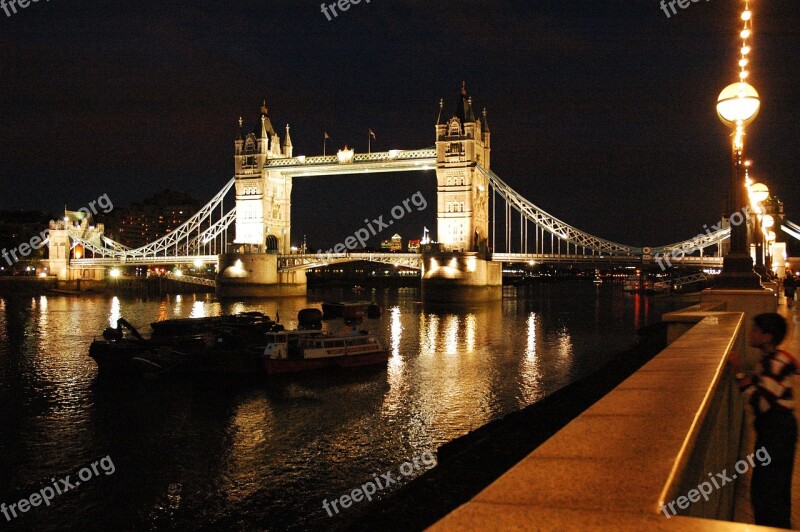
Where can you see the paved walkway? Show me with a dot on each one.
(744, 513)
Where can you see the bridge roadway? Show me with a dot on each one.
(145, 261)
(296, 262)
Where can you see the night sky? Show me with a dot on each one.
(602, 113)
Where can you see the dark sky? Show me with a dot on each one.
(602, 113)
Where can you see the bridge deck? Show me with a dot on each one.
(412, 260)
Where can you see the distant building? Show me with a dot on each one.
(142, 223)
(413, 246)
(18, 227)
(394, 244)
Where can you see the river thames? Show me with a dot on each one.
(193, 453)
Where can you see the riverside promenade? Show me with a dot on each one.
(651, 441)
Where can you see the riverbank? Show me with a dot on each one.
(468, 464)
(134, 286)
(26, 285)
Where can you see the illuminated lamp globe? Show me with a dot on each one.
(771, 236)
(768, 221)
(759, 192)
(738, 102)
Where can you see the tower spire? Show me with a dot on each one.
(287, 144)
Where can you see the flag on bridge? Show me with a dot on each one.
(326, 137)
(372, 134)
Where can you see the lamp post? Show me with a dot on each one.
(768, 223)
(737, 106)
(758, 194)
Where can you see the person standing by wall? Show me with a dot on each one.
(772, 401)
(789, 288)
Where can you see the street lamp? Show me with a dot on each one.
(738, 105)
(758, 194)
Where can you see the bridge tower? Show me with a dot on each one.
(263, 197)
(462, 142)
(263, 216)
(459, 268)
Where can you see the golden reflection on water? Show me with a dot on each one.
(564, 349)
(451, 334)
(238, 307)
(43, 316)
(428, 329)
(531, 372)
(457, 373)
(472, 323)
(162, 310)
(177, 311)
(115, 313)
(198, 309)
(393, 401)
(249, 427)
(397, 332)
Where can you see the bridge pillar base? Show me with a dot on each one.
(460, 277)
(257, 275)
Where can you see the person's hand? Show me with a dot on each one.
(734, 363)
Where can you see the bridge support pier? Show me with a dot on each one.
(460, 277)
(257, 275)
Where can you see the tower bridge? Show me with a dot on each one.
(464, 263)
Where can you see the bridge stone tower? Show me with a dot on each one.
(263, 217)
(462, 142)
(263, 197)
(459, 267)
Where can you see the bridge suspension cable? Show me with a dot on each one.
(547, 222)
(198, 235)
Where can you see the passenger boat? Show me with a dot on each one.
(295, 351)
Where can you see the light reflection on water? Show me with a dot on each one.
(247, 455)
